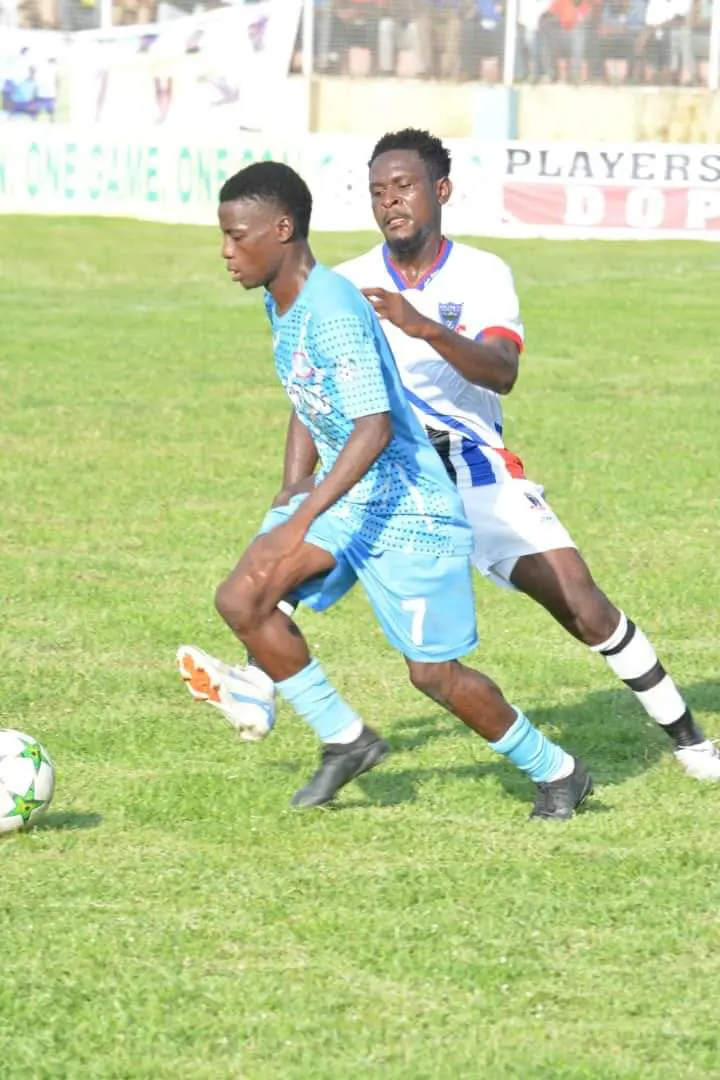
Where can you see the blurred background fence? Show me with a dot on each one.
(645, 42)
(630, 42)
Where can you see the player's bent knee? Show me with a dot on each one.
(236, 603)
(570, 593)
(593, 618)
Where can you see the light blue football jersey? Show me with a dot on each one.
(336, 366)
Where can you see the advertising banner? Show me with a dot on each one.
(65, 171)
(622, 191)
(500, 189)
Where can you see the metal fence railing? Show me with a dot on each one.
(644, 42)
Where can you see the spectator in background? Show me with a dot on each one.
(358, 25)
(654, 45)
(450, 24)
(530, 13)
(442, 28)
(438, 25)
(567, 27)
(636, 25)
(323, 30)
(700, 19)
(615, 37)
(682, 64)
(423, 21)
(485, 35)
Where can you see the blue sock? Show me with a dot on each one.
(312, 696)
(532, 752)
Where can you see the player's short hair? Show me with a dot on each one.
(272, 181)
(428, 148)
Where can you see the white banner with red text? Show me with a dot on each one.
(515, 189)
(622, 191)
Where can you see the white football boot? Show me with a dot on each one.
(702, 762)
(244, 695)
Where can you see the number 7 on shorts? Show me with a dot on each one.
(417, 608)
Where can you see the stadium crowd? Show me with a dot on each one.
(602, 41)
(655, 42)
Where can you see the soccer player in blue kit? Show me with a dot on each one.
(381, 511)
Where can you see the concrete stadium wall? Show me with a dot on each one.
(589, 113)
(625, 114)
(362, 106)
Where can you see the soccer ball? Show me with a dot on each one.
(27, 779)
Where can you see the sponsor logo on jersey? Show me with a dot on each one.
(450, 315)
(534, 500)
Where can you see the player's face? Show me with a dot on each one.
(254, 234)
(406, 202)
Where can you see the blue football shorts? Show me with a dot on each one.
(424, 603)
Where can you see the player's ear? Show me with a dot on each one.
(443, 190)
(285, 229)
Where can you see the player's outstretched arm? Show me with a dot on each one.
(370, 436)
(301, 454)
(492, 363)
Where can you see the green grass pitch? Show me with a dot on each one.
(173, 918)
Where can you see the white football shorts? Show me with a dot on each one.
(509, 520)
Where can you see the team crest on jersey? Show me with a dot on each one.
(450, 315)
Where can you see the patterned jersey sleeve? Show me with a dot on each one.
(496, 312)
(346, 350)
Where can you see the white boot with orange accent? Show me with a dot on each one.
(245, 696)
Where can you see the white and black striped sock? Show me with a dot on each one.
(632, 658)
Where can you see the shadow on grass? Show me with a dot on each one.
(608, 730)
(68, 820)
(400, 788)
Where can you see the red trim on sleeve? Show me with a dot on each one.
(513, 463)
(503, 332)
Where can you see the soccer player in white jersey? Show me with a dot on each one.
(381, 511)
(451, 315)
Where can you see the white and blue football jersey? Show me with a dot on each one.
(471, 292)
(335, 363)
